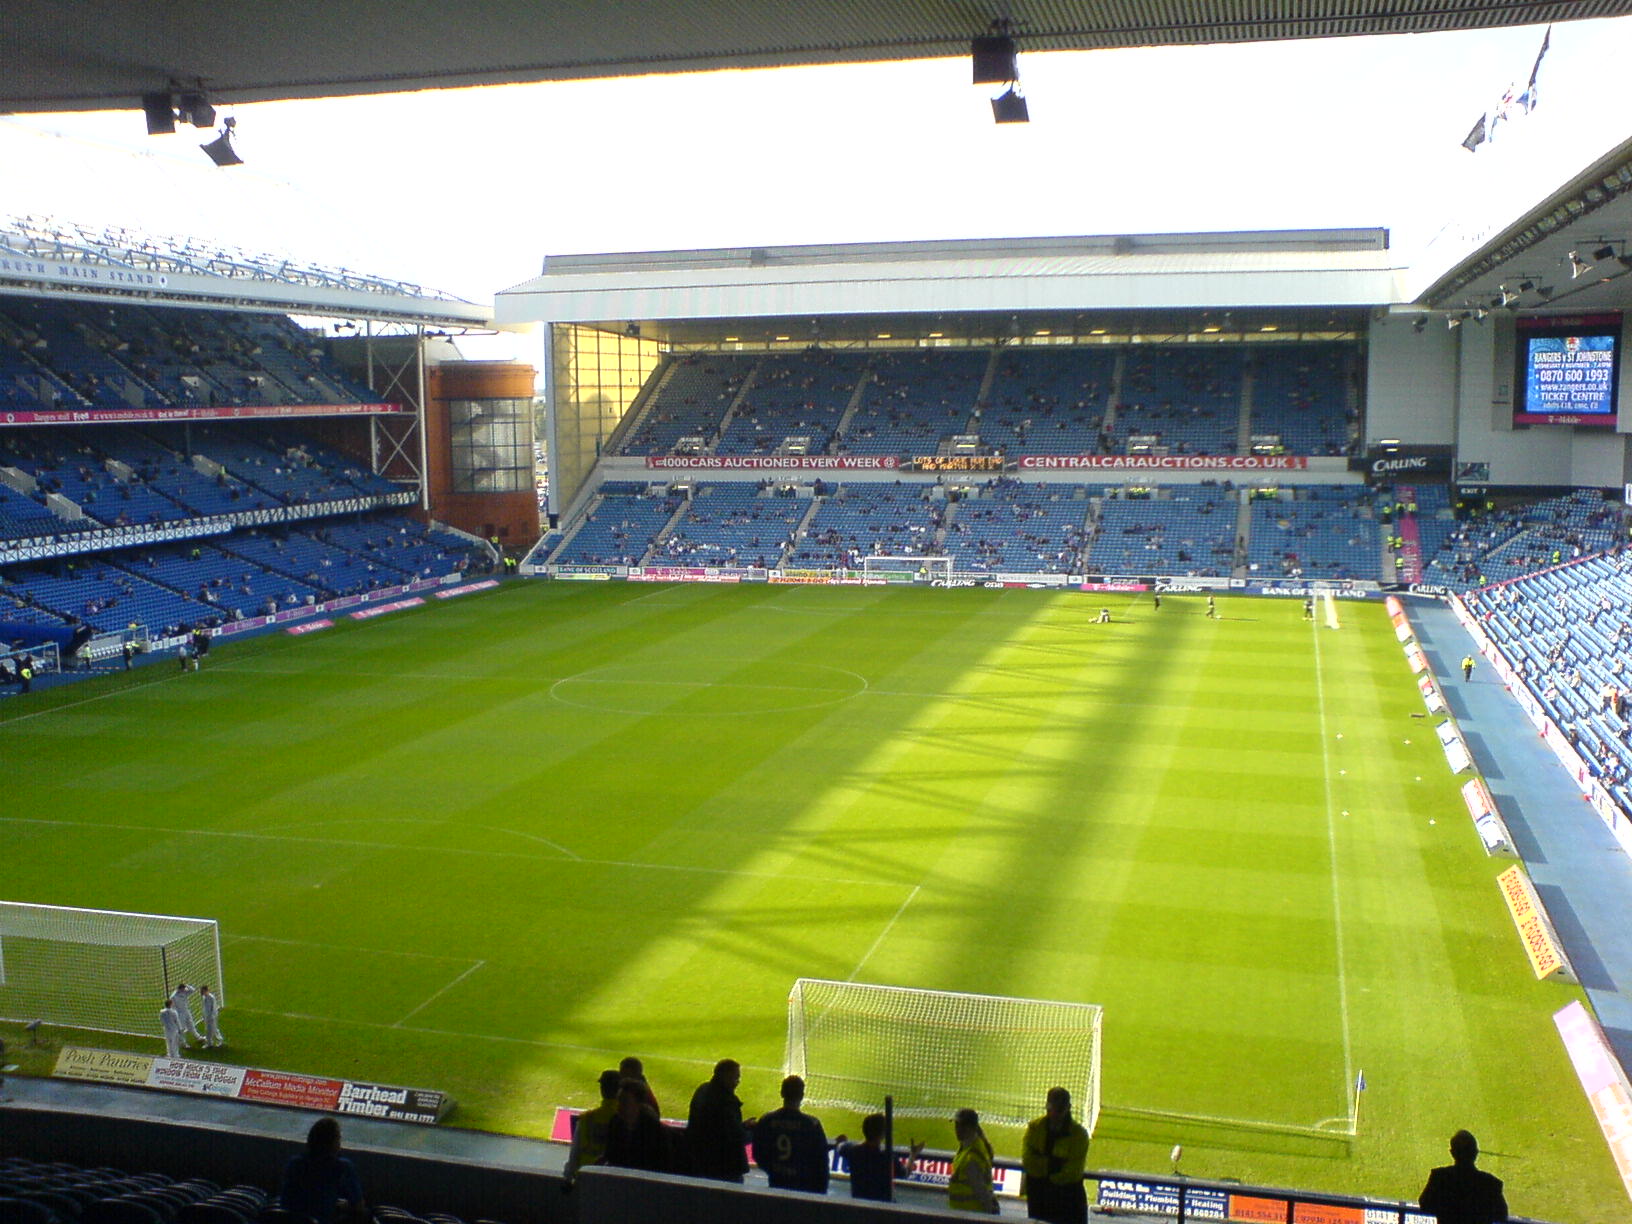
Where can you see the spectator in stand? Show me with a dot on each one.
(790, 1145)
(320, 1182)
(633, 1068)
(635, 1139)
(1054, 1154)
(873, 1170)
(589, 1133)
(714, 1127)
(1460, 1193)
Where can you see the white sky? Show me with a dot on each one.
(468, 190)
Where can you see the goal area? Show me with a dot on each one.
(908, 569)
(936, 1051)
(100, 969)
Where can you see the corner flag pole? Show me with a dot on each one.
(1359, 1087)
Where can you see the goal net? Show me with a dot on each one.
(100, 969)
(937, 1052)
(908, 569)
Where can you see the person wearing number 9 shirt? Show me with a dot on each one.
(790, 1145)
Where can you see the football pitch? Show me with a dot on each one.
(491, 846)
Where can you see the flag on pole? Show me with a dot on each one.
(1529, 97)
(1514, 102)
(1360, 1082)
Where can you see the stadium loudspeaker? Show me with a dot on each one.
(161, 119)
(994, 62)
(220, 150)
(195, 109)
(1010, 108)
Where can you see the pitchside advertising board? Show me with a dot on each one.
(351, 1097)
(1151, 1196)
(1567, 370)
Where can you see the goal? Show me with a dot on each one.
(100, 969)
(908, 569)
(936, 1051)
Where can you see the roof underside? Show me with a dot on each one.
(103, 54)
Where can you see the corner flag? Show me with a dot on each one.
(1360, 1082)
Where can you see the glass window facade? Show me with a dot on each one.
(492, 445)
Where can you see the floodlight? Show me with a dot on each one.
(1525, 286)
(993, 58)
(1578, 266)
(1452, 322)
(1544, 291)
(1507, 298)
(1010, 107)
(1604, 253)
(1422, 322)
(161, 118)
(1479, 313)
(220, 150)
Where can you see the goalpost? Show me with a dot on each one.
(101, 969)
(938, 1051)
(908, 569)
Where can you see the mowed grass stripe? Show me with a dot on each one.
(447, 875)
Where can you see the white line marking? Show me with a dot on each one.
(69, 705)
(409, 820)
(467, 850)
(526, 1041)
(306, 943)
(439, 994)
(882, 935)
(1331, 846)
(1214, 1120)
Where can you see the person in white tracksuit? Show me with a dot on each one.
(211, 1004)
(170, 1021)
(181, 998)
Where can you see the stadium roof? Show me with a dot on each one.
(46, 257)
(104, 54)
(1294, 280)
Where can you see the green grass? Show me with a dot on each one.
(489, 847)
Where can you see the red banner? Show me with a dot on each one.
(1171, 463)
(776, 462)
(280, 1088)
(132, 416)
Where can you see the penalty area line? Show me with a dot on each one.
(884, 934)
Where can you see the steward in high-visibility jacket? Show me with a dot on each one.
(971, 1186)
(1053, 1155)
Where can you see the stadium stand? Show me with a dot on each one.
(692, 395)
(1300, 399)
(619, 528)
(1179, 402)
(859, 520)
(57, 354)
(1314, 531)
(735, 524)
(1507, 543)
(1048, 401)
(911, 402)
(1007, 525)
(59, 1192)
(1567, 631)
(794, 404)
(1182, 530)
